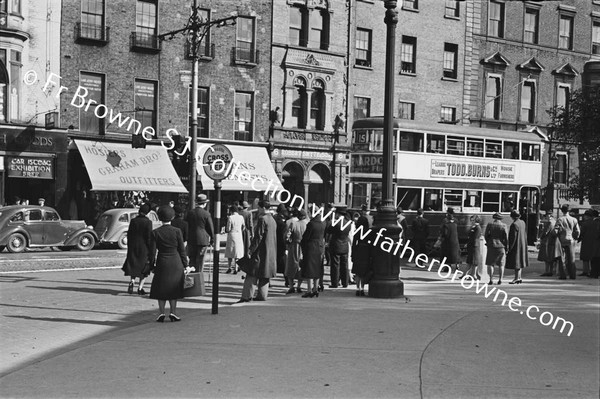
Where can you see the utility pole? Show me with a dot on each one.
(195, 31)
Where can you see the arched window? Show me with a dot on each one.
(317, 106)
(299, 103)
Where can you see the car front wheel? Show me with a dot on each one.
(16, 243)
(86, 242)
(122, 242)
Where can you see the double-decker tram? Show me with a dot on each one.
(437, 166)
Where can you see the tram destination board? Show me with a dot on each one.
(216, 162)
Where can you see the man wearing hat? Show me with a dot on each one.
(263, 250)
(496, 239)
(516, 253)
(248, 232)
(200, 232)
(41, 201)
(339, 247)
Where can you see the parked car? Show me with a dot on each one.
(113, 224)
(32, 226)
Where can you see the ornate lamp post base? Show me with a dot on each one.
(386, 282)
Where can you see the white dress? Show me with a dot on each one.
(235, 241)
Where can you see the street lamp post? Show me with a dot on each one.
(385, 282)
(195, 31)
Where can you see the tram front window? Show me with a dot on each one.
(433, 199)
(409, 198)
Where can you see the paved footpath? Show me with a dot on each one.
(442, 341)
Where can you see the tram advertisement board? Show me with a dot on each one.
(368, 163)
(472, 170)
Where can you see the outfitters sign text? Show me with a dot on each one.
(472, 170)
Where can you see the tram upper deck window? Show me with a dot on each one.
(454, 199)
(432, 200)
(530, 152)
(409, 198)
(493, 149)
(474, 147)
(456, 145)
(411, 141)
(511, 150)
(377, 140)
(491, 202)
(436, 143)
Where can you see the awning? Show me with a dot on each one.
(253, 160)
(118, 167)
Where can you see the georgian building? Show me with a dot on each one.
(32, 150)
(309, 79)
(525, 58)
(115, 51)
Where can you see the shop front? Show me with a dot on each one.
(32, 165)
(105, 175)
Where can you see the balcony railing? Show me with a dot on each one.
(90, 33)
(144, 42)
(205, 53)
(244, 56)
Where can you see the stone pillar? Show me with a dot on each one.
(329, 115)
(309, 93)
(306, 185)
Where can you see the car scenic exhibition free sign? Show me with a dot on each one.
(216, 162)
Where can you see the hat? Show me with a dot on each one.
(41, 199)
(515, 214)
(302, 214)
(245, 205)
(178, 210)
(165, 213)
(497, 216)
(589, 212)
(450, 211)
(144, 209)
(264, 204)
(340, 208)
(201, 199)
(364, 207)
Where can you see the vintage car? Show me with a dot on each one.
(32, 226)
(113, 224)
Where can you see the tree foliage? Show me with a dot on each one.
(579, 125)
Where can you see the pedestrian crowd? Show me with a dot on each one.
(263, 242)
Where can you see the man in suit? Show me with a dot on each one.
(595, 262)
(420, 231)
(339, 247)
(263, 250)
(200, 232)
(496, 239)
(568, 233)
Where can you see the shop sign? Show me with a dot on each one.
(368, 163)
(30, 167)
(472, 170)
(299, 154)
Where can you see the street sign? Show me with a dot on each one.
(216, 161)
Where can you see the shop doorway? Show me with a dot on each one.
(293, 176)
(319, 191)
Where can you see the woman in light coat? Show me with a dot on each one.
(234, 248)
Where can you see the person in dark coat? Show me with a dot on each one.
(496, 240)
(474, 247)
(180, 223)
(550, 250)
(313, 247)
(280, 218)
(420, 232)
(171, 261)
(339, 247)
(449, 234)
(587, 240)
(200, 234)
(264, 250)
(361, 256)
(137, 262)
(248, 232)
(595, 262)
(516, 255)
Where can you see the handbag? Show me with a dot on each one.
(438, 243)
(193, 285)
(249, 265)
